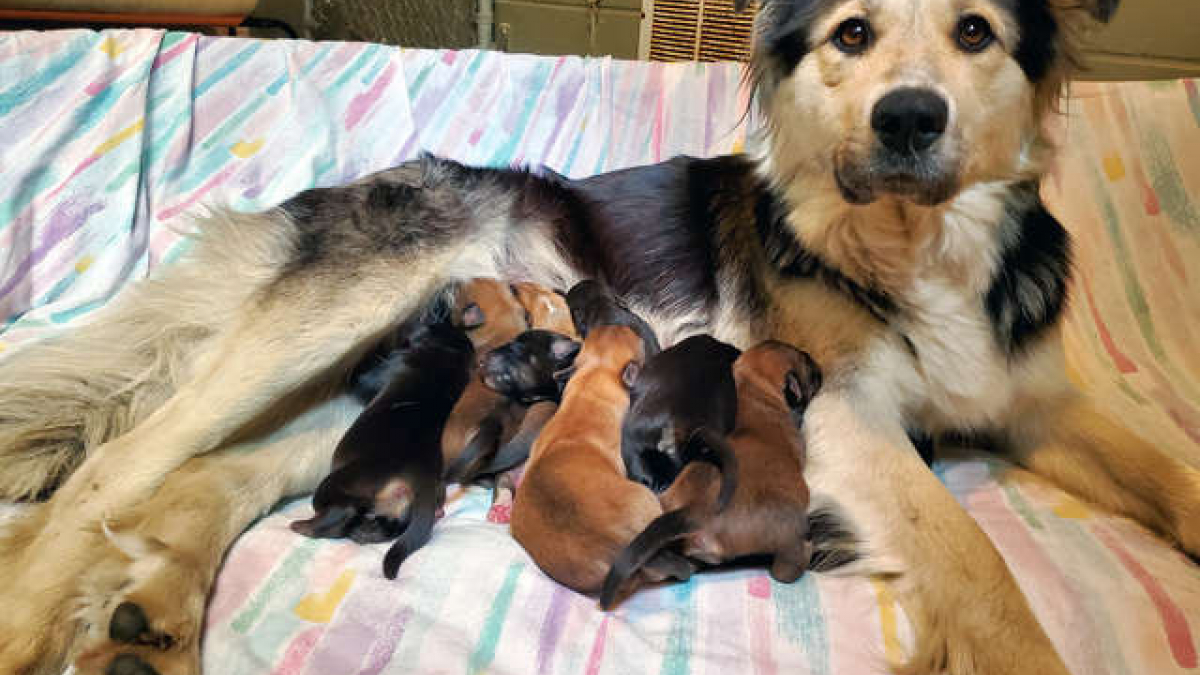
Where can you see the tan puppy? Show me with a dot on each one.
(547, 308)
(482, 416)
(768, 512)
(485, 420)
(574, 509)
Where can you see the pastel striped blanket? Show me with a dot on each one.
(108, 141)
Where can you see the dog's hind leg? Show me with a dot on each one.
(1086, 452)
(307, 326)
(966, 609)
(297, 334)
(65, 395)
(142, 599)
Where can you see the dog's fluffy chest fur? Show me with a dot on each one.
(949, 361)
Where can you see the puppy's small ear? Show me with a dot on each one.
(740, 5)
(629, 374)
(799, 388)
(563, 348)
(472, 316)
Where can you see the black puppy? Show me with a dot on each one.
(530, 370)
(592, 305)
(679, 391)
(524, 369)
(387, 469)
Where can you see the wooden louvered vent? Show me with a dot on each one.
(700, 30)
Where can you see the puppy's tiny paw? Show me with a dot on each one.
(500, 514)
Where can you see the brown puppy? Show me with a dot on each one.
(768, 510)
(486, 419)
(483, 419)
(574, 509)
(547, 309)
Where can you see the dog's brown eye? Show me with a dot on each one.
(974, 33)
(852, 36)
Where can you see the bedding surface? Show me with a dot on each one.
(110, 141)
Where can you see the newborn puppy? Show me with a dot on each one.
(768, 510)
(593, 305)
(483, 419)
(525, 370)
(387, 469)
(574, 509)
(682, 389)
(489, 449)
(546, 309)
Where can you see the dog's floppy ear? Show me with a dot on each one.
(472, 316)
(630, 372)
(563, 348)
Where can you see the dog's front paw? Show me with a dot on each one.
(143, 606)
(140, 660)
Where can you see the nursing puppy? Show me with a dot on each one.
(483, 419)
(593, 304)
(387, 469)
(531, 370)
(545, 309)
(684, 388)
(768, 512)
(574, 509)
(491, 449)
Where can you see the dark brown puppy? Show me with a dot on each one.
(525, 370)
(482, 420)
(574, 509)
(497, 415)
(768, 511)
(682, 389)
(387, 469)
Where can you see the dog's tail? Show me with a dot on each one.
(61, 397)
(659, 534)
(705, 445)
(420, 528)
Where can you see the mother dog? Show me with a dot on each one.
(890, 225)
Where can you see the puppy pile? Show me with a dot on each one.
(641, 464)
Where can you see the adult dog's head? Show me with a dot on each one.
(911, 99)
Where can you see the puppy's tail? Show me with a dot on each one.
(61, 397)
(420, 528)
(660, 533)
(705, 445)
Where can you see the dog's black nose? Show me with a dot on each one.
(910, 120)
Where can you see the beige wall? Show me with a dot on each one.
(1147, 39)
(563, 27)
